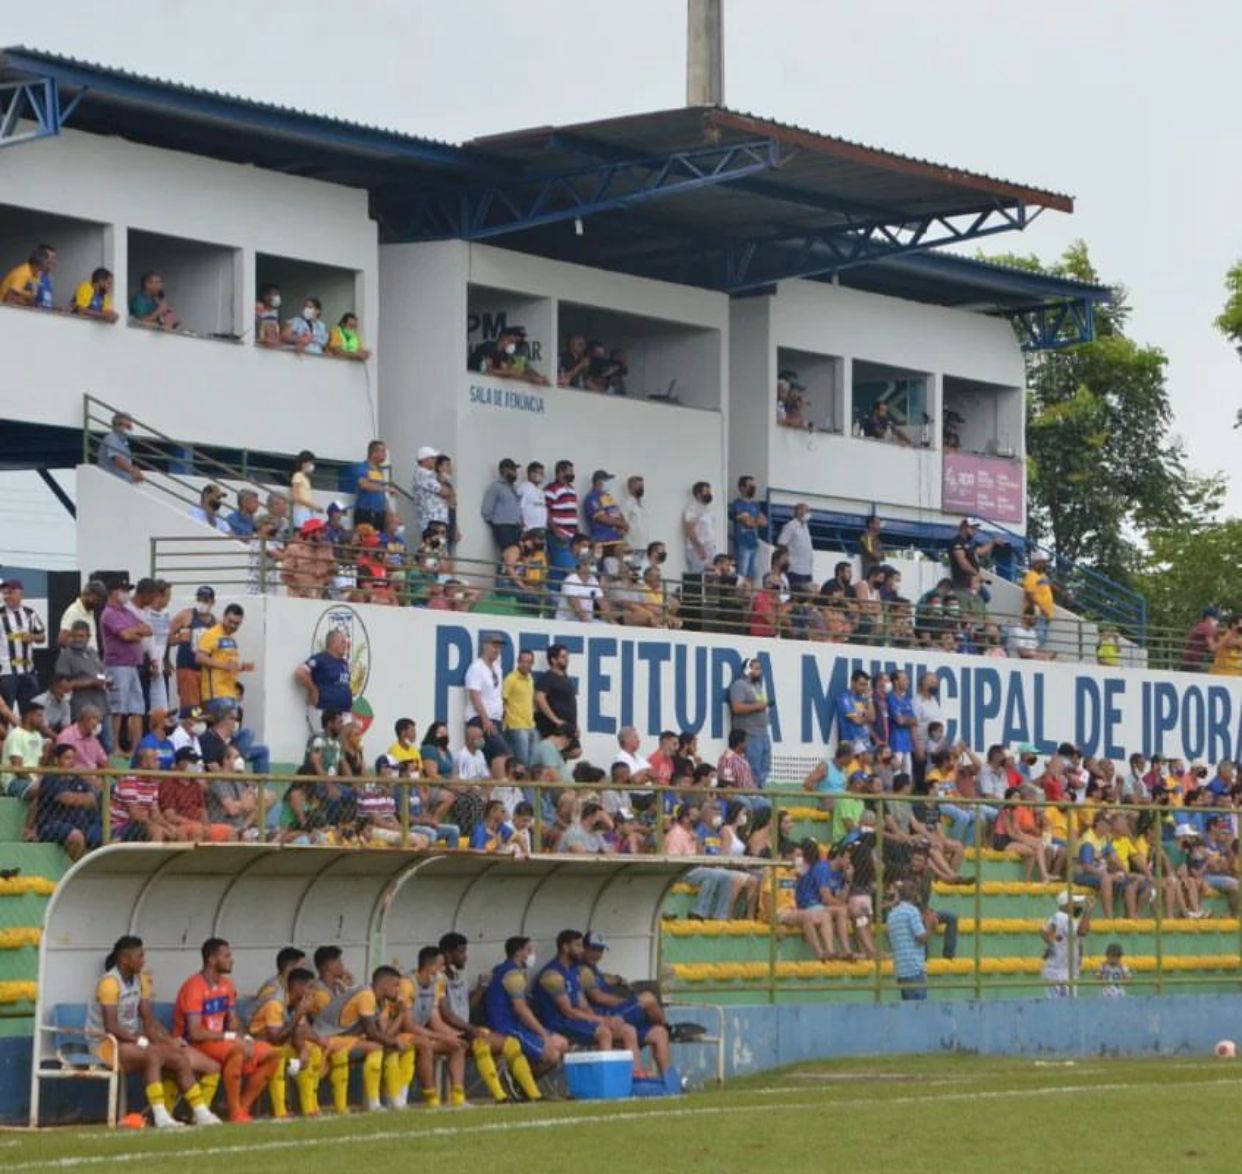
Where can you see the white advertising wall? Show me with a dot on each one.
(412, 663)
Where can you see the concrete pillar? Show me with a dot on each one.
(705, 53)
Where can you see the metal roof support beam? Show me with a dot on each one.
(517, 204)
(36, 101)
(831, 250)
(1052, 327)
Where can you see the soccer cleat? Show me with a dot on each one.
(162, 1119)
(204, 1116)
(241, 1117)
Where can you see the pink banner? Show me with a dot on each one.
(987, 486)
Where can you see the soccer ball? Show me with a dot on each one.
(1226, 1050)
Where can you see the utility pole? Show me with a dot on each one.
(705, 53)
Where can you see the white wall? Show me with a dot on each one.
(430, 398)
(844, 472)
(413, 662)
(206, 391)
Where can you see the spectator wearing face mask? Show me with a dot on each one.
(187, 628)
(501, 508)
(267, 317)
(115, 454)
(749, 520)
(634, 511)
(344, 341)
(123, 633)
(699, 530)
(210, 501)
(306, 333)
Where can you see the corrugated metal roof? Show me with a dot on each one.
(870, 173)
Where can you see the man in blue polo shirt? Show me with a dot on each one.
(605, 522)
(856, 712)
(907, 938)
(562, 1008)
(901, 722)
(372, 485)
(325, 676)
(748, 520)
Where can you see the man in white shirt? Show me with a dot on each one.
(634, 512)
(151, 603)
(993, 779)
(580, 594)
(1063, 935)
(469, 762)
(210, 501)
(531, 501)
(795, 537)
(485, 704)
(699, 530)
(190, 724)
(640, 769)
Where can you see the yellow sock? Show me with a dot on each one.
(209, 1084)
(278, 1089)
(392, 1076)
(457, 1095)
(172, 1094)
(486, 1064)
(432, 1098)
(407, 1068)
(155, 1095)
(520, 1067)
(308, 1082)
(338, 1077)
(194, 1096)
(372, 1070)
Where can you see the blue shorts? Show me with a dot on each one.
(125, 690)
(631, 1012)
(57, 831)
(577, 1031)
(532, 1044)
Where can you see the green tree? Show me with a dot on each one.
(1229, 323)
(1102, 468)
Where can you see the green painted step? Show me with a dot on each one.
(48, 860)
(12, 818)
(20, 965)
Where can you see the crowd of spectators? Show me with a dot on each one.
(31, 284)
(313, 1020)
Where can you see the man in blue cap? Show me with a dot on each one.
(609, 994)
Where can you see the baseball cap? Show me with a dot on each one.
(335, 507)
(602, 475)
(508, 463)
(203, 592)
(190, 711)
(427, 451)
(12, 583)
(95, 587)
(1064, 898)
(186, 754)
(594, 941)
(1027, 748)
(1185, 831)
(312, 526)
(491, 638)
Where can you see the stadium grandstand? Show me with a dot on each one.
(563, 593)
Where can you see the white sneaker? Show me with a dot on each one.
(204, 1116)
(375, 1107)
(293, 1067)
(162, 1119)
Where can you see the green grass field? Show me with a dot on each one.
(918, 1113)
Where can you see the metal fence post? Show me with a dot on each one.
(403, 792)
(774, 921)
(1159, 850)
(105, 808)
(978, 935)
(877, 899)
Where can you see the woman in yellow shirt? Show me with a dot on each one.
(1228, 659)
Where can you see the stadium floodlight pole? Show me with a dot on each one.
(705, 53)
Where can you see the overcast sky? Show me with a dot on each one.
(1130, 106)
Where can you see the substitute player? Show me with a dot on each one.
(122, 1009)
(456, 1005)
(282, 1018)
(607, 994)
(287, 959)
(507, 1009)
(330, 993)
(419, 1001)
(205, 1016)
(561, 1006)
(354, 1025)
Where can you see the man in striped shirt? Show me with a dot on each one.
(20, 631)
(561, 499)
(907, 938)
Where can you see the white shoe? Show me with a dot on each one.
(204, 1116)
(162, 1119)
(293, 1067)
(375, 1107)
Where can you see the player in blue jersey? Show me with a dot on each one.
(561, 1006)
(507, 1009)
(608, 995)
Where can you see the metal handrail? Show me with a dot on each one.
(187, 561)
(889, 855)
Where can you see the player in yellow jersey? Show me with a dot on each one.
(287, 959)
(457, 1003)
(282, 1018)
(120, 1019)
(330, 993)
(419, 997)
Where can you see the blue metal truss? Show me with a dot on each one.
(36, 101)
(755, 264)
(511, 205)
(1051, 327)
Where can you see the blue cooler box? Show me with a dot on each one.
(599, 1076)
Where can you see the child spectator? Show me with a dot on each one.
(1113, 972)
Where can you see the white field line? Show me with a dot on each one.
(544, 1123)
